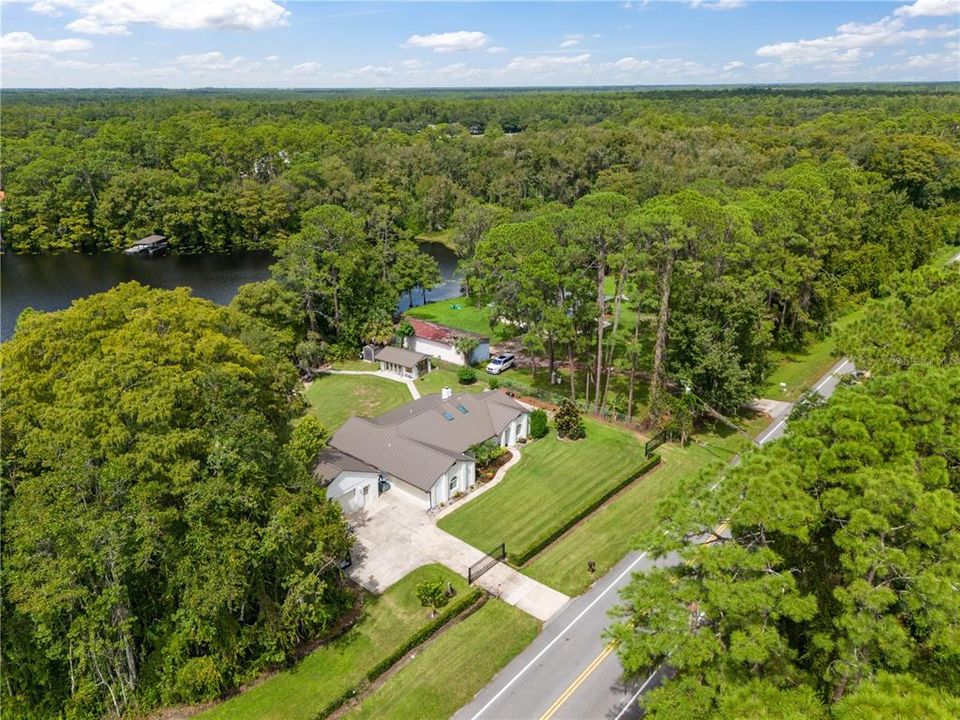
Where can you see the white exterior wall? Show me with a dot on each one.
(517, 429)
(434, 349)
(347, 489)
(465, 475)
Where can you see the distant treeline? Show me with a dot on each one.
(220, 170)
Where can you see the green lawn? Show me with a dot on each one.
(799, 370)
(355, 365)
(463, 314)
(334, 398)
(322, 675)
(450, 671)
(610, 533)
(554, 480)
(444, 376)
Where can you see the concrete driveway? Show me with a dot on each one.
(394, 537)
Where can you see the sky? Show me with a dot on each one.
(272, 43)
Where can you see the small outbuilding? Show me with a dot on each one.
(151, 245)
(405, 363)
(440, 342)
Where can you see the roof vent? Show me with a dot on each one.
(446, 393)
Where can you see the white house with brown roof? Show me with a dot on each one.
(405, 363)
(421, 449)
(439, 341)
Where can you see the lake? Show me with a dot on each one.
(53, 282)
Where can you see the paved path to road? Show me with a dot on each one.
(411, 386)
(569, 672)
(396, 536)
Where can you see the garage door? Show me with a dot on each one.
(351, 501)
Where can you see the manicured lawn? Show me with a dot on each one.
(334, 398)
(320, 677)
(443, 376)
(450, 671)
(610, 533)
(355, 365)
(461, 313)
(554, 480)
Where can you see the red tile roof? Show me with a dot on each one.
(438, 333)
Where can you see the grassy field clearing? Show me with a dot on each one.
(554, 479)
(334, 398)
(301, 692)
(450, 670)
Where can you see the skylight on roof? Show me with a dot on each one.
(447, 415)
(462, 409)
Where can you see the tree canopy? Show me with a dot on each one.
(818, 579)
(163, 539)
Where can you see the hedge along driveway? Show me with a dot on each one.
(555, 480)
(325, 674)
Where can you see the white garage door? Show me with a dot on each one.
(355, 499)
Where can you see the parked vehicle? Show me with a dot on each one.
(500, 363)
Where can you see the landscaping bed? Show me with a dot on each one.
(322, 677)
(550, 487)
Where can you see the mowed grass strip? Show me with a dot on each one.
(554, 480)
(301, 692)
(452, 669)
(334, 398)
(445, 376)
(610, 533)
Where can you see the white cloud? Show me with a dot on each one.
(24, 44)
(929, 8)
(571, 40)
(114, 17)
(660, 70)
(851, 42)
(272, 58)
(306, 68)
(732, 65)
(211, 62)
(450, 41)
(717, 4)
(546, 63)
(947, 60)
(496, 49)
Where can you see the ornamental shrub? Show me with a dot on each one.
(538, 423)
(568, 421)
(466, 376)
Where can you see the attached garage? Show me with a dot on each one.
(351, 482)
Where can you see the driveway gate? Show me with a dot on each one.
(485, 563)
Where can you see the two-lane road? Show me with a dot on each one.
(569, 672)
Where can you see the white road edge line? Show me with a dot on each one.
(643, 687)
(559, 635)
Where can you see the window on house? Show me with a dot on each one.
(453, 483)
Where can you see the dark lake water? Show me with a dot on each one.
(53, 282)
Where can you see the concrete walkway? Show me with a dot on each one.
(414, 390)
(394, 537)
(480, 490)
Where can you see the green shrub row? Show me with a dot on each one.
(418, 638)
(521, 558)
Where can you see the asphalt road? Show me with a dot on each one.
(569, 672)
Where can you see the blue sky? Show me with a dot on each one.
(270, 43)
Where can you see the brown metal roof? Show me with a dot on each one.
(419, 441)
(331, 462)
(399, 356)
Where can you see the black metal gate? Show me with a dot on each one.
(486, 562)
